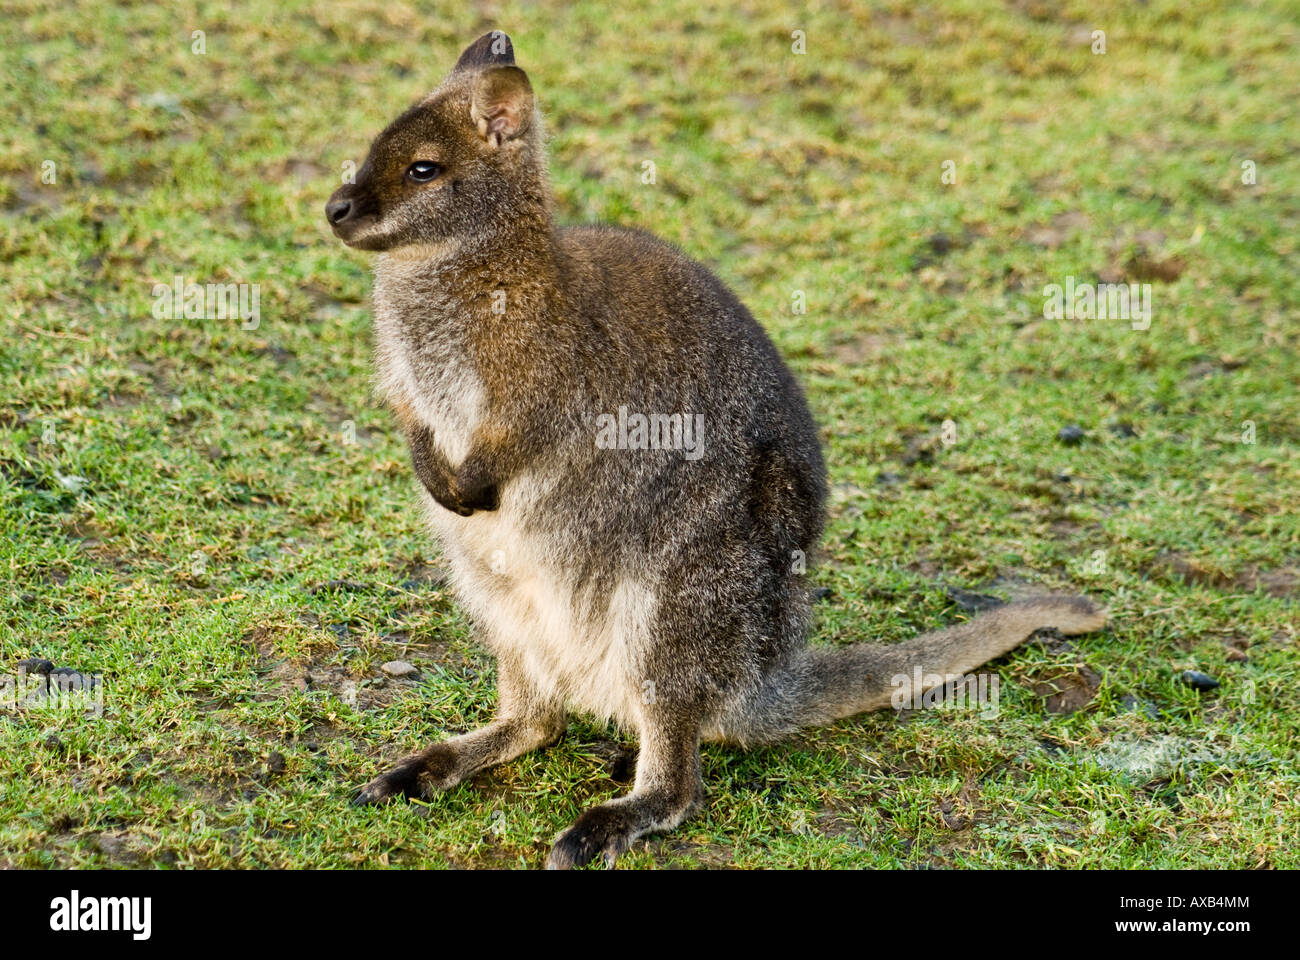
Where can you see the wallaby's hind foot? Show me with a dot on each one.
(610, 829)
(668, 789)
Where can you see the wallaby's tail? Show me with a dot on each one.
(826, 683)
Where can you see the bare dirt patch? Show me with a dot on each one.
(1065, 689)
(1276, 582)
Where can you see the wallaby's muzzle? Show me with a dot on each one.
(349, 211)
(337, 211)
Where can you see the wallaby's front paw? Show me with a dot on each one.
(604, 830)
(467, 504)
(401, 781)
(480, 496)
(417, 776)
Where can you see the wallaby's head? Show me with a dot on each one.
(462, 164)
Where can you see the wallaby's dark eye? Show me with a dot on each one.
(422, 171)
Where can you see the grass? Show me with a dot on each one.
(182, 497)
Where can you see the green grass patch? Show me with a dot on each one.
(181, 498)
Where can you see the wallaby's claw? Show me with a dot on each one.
(371, 794)
(401, 780)
(601, 831)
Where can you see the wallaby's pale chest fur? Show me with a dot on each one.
(448, 397)
(615, 561)
(515, 579)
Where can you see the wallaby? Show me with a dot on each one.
(624, 476)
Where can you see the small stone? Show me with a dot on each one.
(398, 669)
(1199, 681)
(1071, 435)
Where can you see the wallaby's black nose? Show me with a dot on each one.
(336, 211)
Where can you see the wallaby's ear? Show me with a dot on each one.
(502, 107)
(490, 50)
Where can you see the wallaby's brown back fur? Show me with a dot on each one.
(648, 571)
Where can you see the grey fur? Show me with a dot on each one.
(659, 590)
